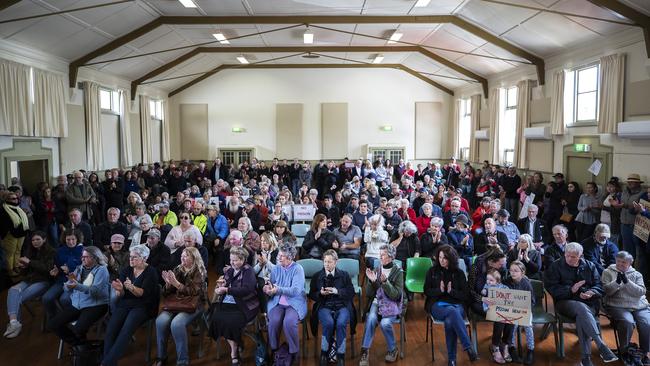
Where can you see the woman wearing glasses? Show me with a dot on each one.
(175, 237)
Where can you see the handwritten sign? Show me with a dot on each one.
(524, 209)
(509, 306)
(642, 224)
(303, 212)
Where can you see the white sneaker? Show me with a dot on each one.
(13, 329)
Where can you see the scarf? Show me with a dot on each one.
(17, 216)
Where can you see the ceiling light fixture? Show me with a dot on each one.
(308, 37)
(187, 3)
(378, 59)
(422, 3)
(221, 38)
(242, 59)
(395, 37)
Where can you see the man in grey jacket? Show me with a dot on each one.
(626, 303)
(631, 243)
(80, 195)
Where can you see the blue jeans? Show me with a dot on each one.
(123, 324)
(334, 318)
(454, 318)
(22, 292)
(386, 324)
(295, 187)
(178, 324)
(52, 295)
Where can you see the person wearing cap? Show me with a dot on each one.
(555, 192)
(630, 243)
(599, 249)
(455, 210)
(507, 227)
(461, 239)
(160, 256)
(330, 211)
(117, 258)
(198, 218)
(104, 231)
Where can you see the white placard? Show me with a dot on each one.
(524, 208)
(595, 167)
(214, 201)
(303, 212)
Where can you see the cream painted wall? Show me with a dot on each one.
(247, 98)
(630, 156)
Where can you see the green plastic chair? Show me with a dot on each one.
(310, 266)
(542, 317)
(351, 266)
(416, 272)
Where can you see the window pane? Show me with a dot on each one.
(587, 79)
(512, 97)
(586, 107)
(228, 157)
(464, 131)
(152, 108)
(159, 110)
(105, 99)
(395, 155)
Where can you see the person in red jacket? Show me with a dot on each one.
(477, 216)
(464, 205)
(405, 212)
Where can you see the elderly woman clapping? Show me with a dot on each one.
(406, 241)
(526, 253)
(625, 301)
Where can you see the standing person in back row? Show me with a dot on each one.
(509, 184)
(80, 195)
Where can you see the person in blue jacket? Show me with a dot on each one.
(461, 239)
(67, 258)
(216, 234)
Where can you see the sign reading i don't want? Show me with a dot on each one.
(509, 306)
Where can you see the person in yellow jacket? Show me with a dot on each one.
(164, 216)
(198, 217)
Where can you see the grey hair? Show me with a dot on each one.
(146, 219)
(407, 226)
(527, 238)
(427, 205)
(189, 234)
(378, 219)
(436, 221)
(97, 255)
(113, 209)
(289, 250)
(390, 250)
(140, 250)
(248, 223)
(602, 229)
(561, 228)
(625, 256)
(404, 200)
(573, 247)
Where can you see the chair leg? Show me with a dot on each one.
(59, 354)
(430, 335)
(316, 346)
(150, 327)
(545, 331)
(475, 337)
(402, 338)
(305, 337)
(427, 335)
(519, 341)
(352, 349)
(561, 339)
(555, 335)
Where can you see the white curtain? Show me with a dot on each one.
(557, 103)
(15, 107)
(92, 112)
(166, 132)
(454, 129)
(493, 109)
(145, 127)
(50, 95)
(612, 81)
(126, 155)
(524, 89)
(474, 125)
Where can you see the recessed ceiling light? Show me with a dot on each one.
(422, 3)
(187, 3)
(378, 59)
(221, 38)
(308, 37)
(395, 37)
(242, 59)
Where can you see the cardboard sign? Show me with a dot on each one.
(214, 201)
(524, 208)
(642, 224)
(510, 306)
(303, 212)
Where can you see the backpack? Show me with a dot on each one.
(88, 354)
(282, 356)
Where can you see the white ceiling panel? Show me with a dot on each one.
(389, 57)
(388, 7)
(173, 7)
(132, 68)
(125, 21)
(446, 82)
(78, 44)
(483, 66)
(495, 17)
(419, 62)
(94, 16)
(223, 7)
(437, 7)
(306, 7)
(116, 53)
(444, 39)
(588, 9)
(47, 32)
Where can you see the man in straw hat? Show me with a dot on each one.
(631, 244)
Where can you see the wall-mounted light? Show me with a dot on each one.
(188, 3)
(386, 128)
(238, 130)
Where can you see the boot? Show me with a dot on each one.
(529, 359)
(340, 359)
(323, 359)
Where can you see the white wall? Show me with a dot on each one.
(247, 98)
(630, 156)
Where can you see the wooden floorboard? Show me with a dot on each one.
(34, 347)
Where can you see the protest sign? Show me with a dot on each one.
(303, 212)
(524, 208)
(509, 306)
(642, 224)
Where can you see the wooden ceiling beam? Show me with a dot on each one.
(7, 3)
(642, 20)
(311, 66)
(314, 49)
(327, 19)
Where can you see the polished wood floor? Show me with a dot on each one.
(34, 347)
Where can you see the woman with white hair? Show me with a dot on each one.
(375, 237)
(526, 253)
(251, 238)
(433, 238)
(575, 286)
(138, 296)
(625, 301)
(89, 288)
(140, 235)
(406, 241)
(189, 241)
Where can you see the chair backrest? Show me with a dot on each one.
(416, 268)
(310, 266)
(351, 266)
(300, 230)
(462, 266)
(538, 289)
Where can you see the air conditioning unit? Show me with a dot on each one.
(482, 134)
(537, 133)
(634, 130)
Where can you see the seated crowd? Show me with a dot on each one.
(137, 246)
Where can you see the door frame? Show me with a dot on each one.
(25, 150)
(604, 153)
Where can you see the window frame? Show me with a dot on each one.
(466, 113)
(114, 100)
(576, 87)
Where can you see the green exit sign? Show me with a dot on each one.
(582, 147)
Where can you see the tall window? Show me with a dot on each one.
(109, 101)
(465, 127)
(581, 90)
(508, 125)
(156, 111)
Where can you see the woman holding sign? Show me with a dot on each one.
(445, 287)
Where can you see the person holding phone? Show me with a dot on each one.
(332, 292)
